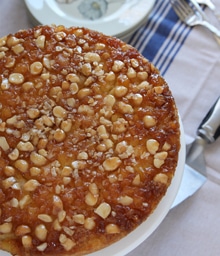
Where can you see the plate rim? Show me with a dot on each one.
(37, 17)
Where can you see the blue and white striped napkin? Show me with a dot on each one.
(161, 37)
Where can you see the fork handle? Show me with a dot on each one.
(211, 6)
(212, 28)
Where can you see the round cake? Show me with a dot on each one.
(89, 140)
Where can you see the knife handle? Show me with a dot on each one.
(209, 129)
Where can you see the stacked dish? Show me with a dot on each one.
(118, 18)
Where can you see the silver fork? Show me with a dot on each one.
(190, 15)
(209, 3)
(211, 6)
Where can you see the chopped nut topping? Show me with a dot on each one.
(4, 144)
(152, 146)
(35, 171)
(158, 89)
(42, 247)
(166, 146)
(24, 201)
(161, 155)
(103, 210)
(27, 86)
(37, 159)
(61, 216)
(109, 100)
(88, 126)
(118, 65)
(25, 146)
(93, 189)
(89, 223)
(59, 111)
(79, 218)
(11, 41)
(5, 228)
(112, 229)
(33, 113)
(120, 126)
(22, 230)
(41, 232)
(36, 68)
(92, 57)
(125, 108)
(27, 241)
(67, 243)
(7, 183)
(57, 205)
(45, 217)
(137, 180)
(59, 135)
(66, 171)
(16, 78)
(9, 170)
(161, 177)
(14, 154)
(31, 185)
(149, 121)
(22, 165)
(111, 163)
(91, 199)
(120, 91)
(17, 49)
(125, 200)
(40, 41)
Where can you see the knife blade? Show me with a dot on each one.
(194, 175)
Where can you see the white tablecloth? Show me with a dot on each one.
(193, 73)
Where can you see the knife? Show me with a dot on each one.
(194, 175)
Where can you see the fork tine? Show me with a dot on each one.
(182, 8)
(192, 15)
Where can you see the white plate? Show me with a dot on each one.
(111, 17)
(135, 238)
